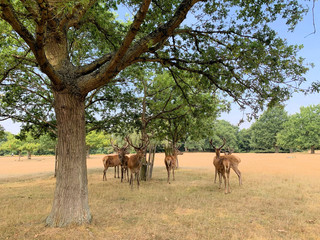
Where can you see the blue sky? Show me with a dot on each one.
(311, 53)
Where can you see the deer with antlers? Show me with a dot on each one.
(223, 164)
(170, 161)
(134, 161)
(122, 151)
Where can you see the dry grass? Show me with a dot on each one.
(266, 206)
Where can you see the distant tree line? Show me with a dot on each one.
(273, 131)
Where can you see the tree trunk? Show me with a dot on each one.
(70, 204)
(276, 149)
(312, 150)
(88, 151)
(152, 152)
(143, 170)
(29, 155)
(56, 161)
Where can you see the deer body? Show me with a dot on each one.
(234, 162)
(122, 158)
(134, 161)
(134, 164)
(223, 164)
(171, 163)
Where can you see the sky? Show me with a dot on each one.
(303, 34)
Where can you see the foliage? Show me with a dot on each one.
(96, 140)
(302, 129)
(244, 137)
(265, 129)
(12, 143)
(2, 133)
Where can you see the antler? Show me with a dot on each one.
(219, 148)
(129, 141)
(224, 142)
(115, 146)
(214, 147)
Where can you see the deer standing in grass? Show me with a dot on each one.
(170, 161)
(110, 161)
(134, 161)
(223, 164)
(122, 158)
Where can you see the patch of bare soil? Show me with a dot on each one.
(298, 164)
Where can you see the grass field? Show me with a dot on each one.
(273, 203)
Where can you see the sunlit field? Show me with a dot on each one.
(279, 199)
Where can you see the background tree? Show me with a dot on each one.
(80, 46)
(29, 144)
(95, 140)
(12, 144)
(2, 133)
(265, 129)
(244, 136)
(225, 130)
(302, 129)
(47, 145)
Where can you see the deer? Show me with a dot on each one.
(110, 161)
(134, 161)
(170, 161)
(123, 159)
(223, 164)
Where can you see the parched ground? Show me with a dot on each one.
(298, 164)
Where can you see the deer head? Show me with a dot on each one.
(121, 151)
(229, 151)
(142, 146)
(218, 150)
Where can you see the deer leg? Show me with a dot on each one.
(173, 173)
(237, 171)
(225, 182)
(118, 168)
(168, 171)
(122, 169)
(220, 179)
(105, 174)
(127, 170)
(215, 176)
(138, 180)
(131, 180)
(228, 183)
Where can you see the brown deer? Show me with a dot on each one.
(134, 161)
(170, 161)
(110, 161)
(123, 159)
(223, 164)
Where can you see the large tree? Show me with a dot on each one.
(80, 46)
(302, 130)
(264, 131)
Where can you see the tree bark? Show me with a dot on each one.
(70, 204)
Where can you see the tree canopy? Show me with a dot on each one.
(265, 129)
(302, 129)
